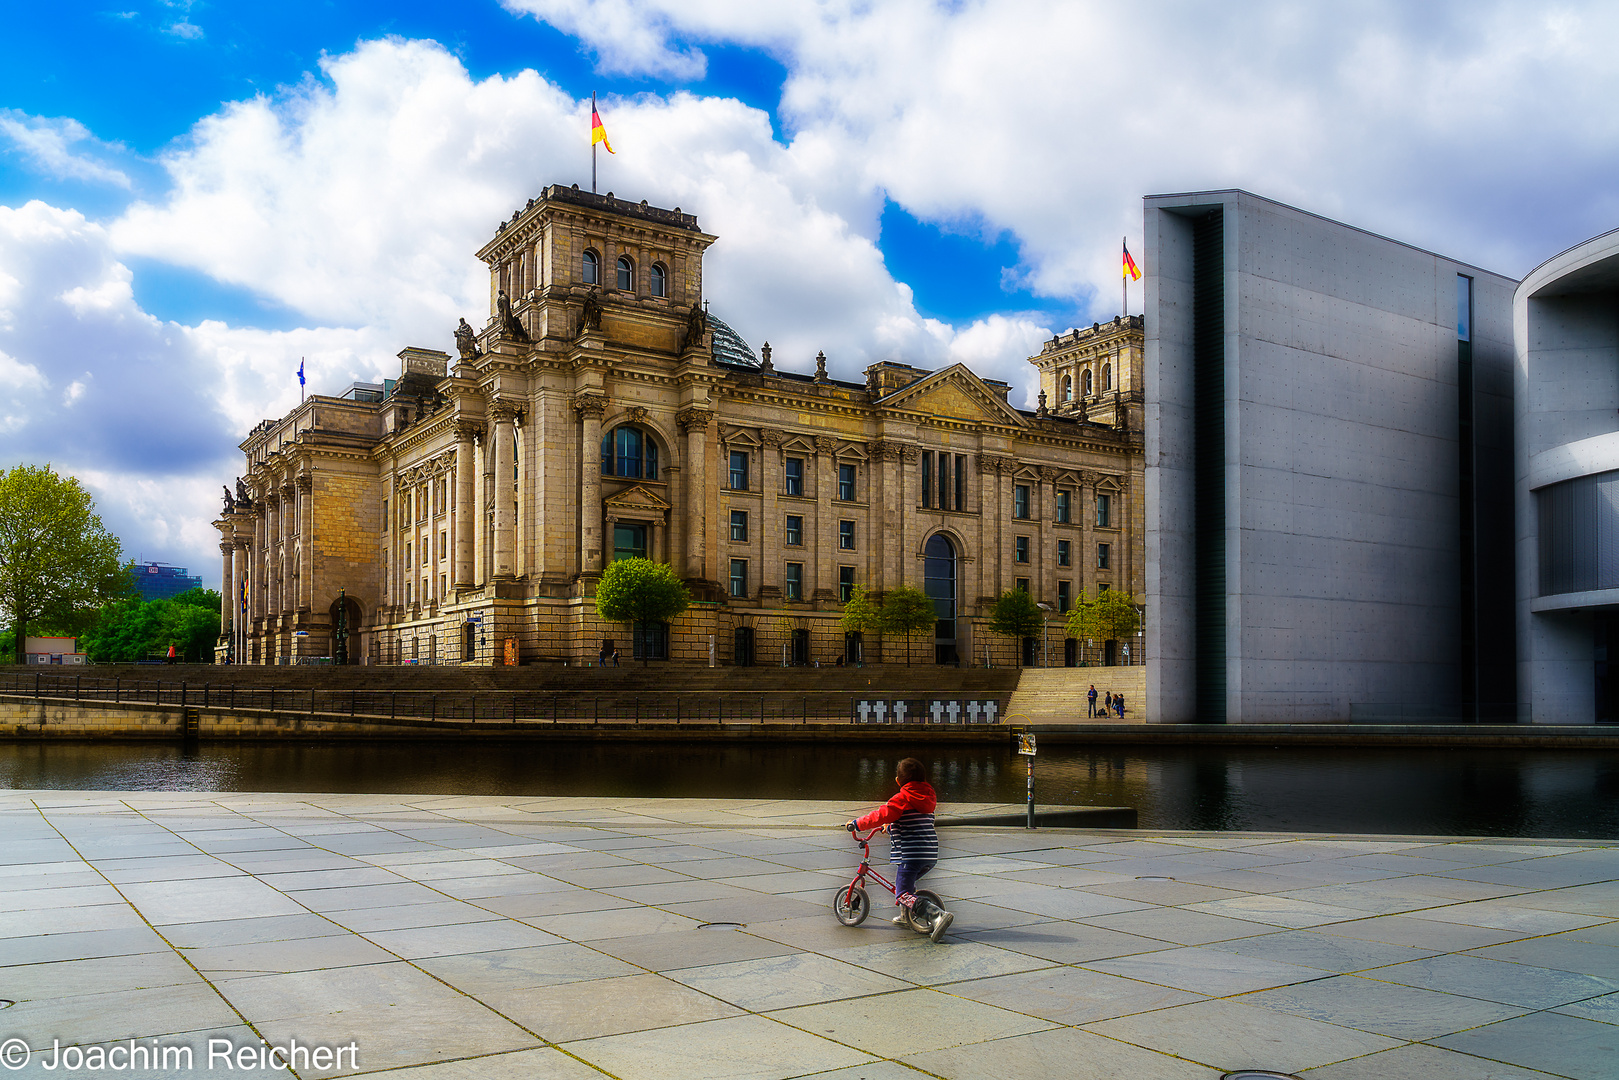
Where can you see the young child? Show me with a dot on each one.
(914, 845)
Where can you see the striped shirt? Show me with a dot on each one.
(909, 816)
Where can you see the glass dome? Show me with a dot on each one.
(729, 348)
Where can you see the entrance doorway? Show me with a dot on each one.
(853, 647)
(742, 650)
(469, 641)
(801, 646)
(939, 582)
(345, 616)
(1070, 652)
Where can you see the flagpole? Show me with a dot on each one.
(1124, 246)
(593, 143)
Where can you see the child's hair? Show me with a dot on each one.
(911, 769)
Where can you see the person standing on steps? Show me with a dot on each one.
(1091, 698)
(914, 844)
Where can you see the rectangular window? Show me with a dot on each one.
(846, 536)
(443, 546)
(1020, 549)
(794, 585)
(845, 583)
(1021, 584)
(927, 480)
(1062, 553)
(1064, 501)
(794, 476)
(1103, 511)
(1020, 501)
(407, 592)
(384, 514)
(795, 530)
(739, 470)
(444, 584)
(1101, 556)
(629, 541)
(739, 577)
(407, 555)
(739, 524)
(1062, 596)
(944, 484)
(961, 482)
(846, 483)
(1102, 587)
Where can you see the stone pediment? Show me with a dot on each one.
(635, 500)
(955, 393)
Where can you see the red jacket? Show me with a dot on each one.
(916, 797)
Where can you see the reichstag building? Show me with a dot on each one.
(464, 511)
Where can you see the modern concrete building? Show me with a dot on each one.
(1328, 463)
(465, 511)
(1566, 329)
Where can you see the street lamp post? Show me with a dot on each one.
(1045, 631)
(342, 635)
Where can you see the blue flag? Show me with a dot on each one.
(300, 371)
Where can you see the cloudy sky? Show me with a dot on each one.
(194, 195)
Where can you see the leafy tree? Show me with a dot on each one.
(1016, 615)
(861, 615)
(129, 630)
(908, 611)
(1108, 615)
(639, 591)
(56, 558)
(203, 598)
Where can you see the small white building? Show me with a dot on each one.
(54, 650)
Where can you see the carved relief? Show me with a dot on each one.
(636, 414)
(771, 438)
(910, 454)
(590, 405)
(1048, 473)
(693, 419)
(825, 444)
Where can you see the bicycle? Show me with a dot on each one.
(851, 904)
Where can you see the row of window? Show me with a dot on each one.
(657, 280)
(1065, 598)
(793, 534)
(1104, 553)
(441, 549)
(792, 476)
(792, 585)
(1065, 388)
(1021, 506)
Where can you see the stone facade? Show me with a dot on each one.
(467, 513)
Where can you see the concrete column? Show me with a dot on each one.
(694, 422)
(505, 524)
(306, 542)
(465, 503)
(592, 543)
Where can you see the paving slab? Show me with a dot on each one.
(452, 937)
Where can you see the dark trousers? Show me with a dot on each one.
(907, 874)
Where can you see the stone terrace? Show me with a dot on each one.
(563, 939)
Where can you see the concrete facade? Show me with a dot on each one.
(1320, 455)
(1566, 328)
(474, 504)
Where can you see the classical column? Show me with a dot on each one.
(306, 542)
(284, 600)
(227, 577)
(255, 584)
(465, 511)
(905, 509)
(1085, 565)
(505, 533)
(694, 422)
(826, 505)
(590, 408)
(766, 538)
(1045, 560)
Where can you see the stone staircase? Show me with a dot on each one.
(1057, 695)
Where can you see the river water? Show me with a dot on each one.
(1536, 793)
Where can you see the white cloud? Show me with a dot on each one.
(50, 144)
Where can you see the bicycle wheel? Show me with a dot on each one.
(928, 904)
(851, 906)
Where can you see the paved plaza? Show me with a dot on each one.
(470, 938)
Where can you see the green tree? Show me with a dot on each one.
(131, 630)
(861, 615)
(639, 591)
(1015, 615)
(908, 611)
(56, 558)
(1109, 615)
(203, 598)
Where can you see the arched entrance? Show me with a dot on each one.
(345, 616)
(939, 582)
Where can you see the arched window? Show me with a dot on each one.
(1086, 382)
(659, 281)
(631, 453)
(626, 275)
(1107, 377)
(1067, 393)
(592, 269)
(939, 582)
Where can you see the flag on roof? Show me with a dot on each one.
(1130, 269)
(300, 371)
(598, 134)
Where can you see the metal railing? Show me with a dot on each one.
(475, 706)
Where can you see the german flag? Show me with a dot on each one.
(598, 134)
(1130, 270)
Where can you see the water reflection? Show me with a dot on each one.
(1375, 790)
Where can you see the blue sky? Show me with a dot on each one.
(194, 196)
